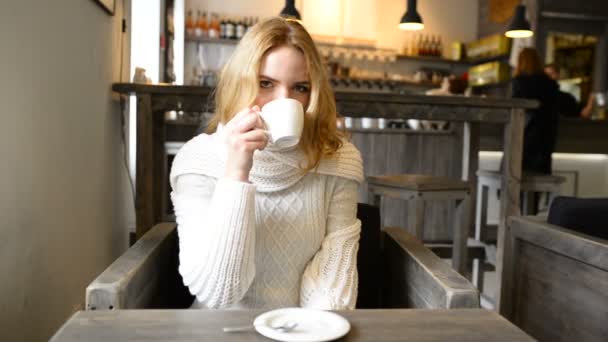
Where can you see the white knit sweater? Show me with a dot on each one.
(286, 239)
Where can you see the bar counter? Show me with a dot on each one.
(452, 153)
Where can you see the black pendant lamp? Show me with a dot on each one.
(290, 11)
(411, 20)
(520, 26)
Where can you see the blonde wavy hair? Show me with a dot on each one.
(238, 85)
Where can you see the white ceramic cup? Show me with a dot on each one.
(284, 119)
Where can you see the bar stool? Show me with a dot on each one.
(417, 189)
(486, 234)
(531, 183)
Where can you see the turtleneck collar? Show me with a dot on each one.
(273, 169)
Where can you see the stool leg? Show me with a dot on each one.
(530, 203)
(478, 272)
(550, 196)
(481, 214)
(525, 203)
(416, 217)
(459, 254)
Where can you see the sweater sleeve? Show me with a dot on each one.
(330, 280)
(216, 227)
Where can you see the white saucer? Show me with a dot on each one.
(313, 325)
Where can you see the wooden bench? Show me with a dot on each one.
(559, 288)
(146, 276)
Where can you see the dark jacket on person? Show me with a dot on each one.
(567, 105)
(541, 123)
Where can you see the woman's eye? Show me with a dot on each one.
(265, 84)
(301, 89)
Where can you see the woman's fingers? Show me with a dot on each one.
(240, 115)
(256, 135)
(249, 122)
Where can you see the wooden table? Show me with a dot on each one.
(154, 100)
(366, 325)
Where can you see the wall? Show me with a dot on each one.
(64, 198)
(486, 26)
(454, 20)
(365, 19)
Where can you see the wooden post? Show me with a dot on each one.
(470, 165)
(144, 178)
(461, 230)
(509, 205)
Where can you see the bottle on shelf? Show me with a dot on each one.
(223, 28)
(439, 47)
(202, 28)
(197, 29)
(422, 48)
(214, 27)
(412, 46)
(240, 28)
(230, 29)
(189, 24)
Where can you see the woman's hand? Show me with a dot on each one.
(245, 133)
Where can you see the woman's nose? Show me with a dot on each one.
(282, 93)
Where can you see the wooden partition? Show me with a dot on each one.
(560, 282)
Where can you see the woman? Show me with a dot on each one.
(541, 124)
(260, 226)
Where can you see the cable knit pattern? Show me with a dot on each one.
(289, 238)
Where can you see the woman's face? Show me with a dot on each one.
(283, 74)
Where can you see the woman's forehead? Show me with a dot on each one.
(284, 61)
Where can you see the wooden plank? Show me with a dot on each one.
(417, 278)
(144, 177)
(160, 187)
(415, 182)
(131, 88)
(448, 112)
(447, 101)
(366, 325)
(461, 233)
(509, 206)
(416, 217)
(138, 88)
(143, 277)
(584, 248)
(470, 164)
(558, 298)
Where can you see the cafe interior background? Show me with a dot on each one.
(67, 172)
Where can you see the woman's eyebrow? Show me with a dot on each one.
(272, 79)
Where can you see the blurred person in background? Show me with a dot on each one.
(567, 105)
(540, 131)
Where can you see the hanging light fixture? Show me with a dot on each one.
(411, 20)
(290, 11)
(520, 26)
